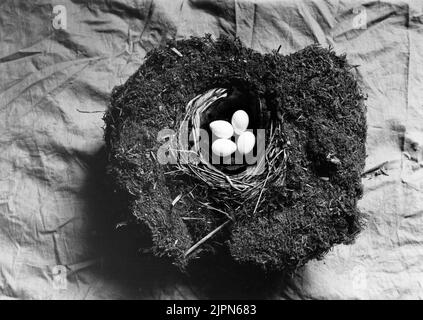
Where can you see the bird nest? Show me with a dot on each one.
(293, 204)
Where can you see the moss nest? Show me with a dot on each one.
(311, 96)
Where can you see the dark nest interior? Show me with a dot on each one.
(298, 208)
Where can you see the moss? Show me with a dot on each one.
(315, 96)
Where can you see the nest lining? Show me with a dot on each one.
(245, 186)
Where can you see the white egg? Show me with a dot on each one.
(223, 147)
(222, 129)
(246, 142)
(240, 121)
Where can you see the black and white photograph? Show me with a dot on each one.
(195, 151)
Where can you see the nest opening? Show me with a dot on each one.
(230, 182)
(237, 98)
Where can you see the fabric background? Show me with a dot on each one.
(54, 88)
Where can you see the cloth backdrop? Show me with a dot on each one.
(59, 61)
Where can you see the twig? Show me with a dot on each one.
(175, 201)
(84, 111)
(261, 192)
(211, 234)
(216, 209)
(230, 182)
(375, 168)
(121, 224)
(176, 51)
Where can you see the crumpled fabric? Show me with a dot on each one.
(58, 64)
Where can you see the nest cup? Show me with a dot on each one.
(245, 180)
(236, 98)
